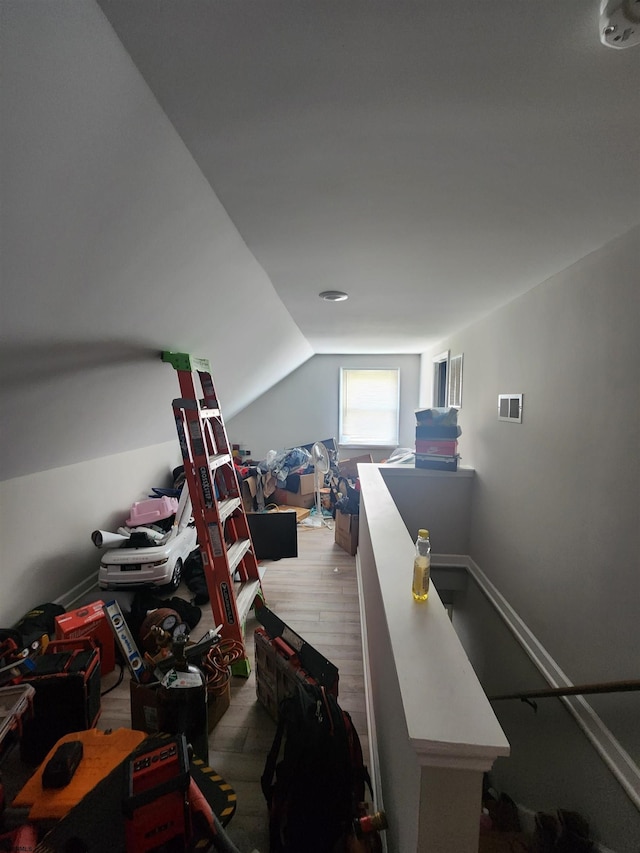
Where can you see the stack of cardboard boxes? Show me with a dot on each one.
(347, 525)
(437, 434)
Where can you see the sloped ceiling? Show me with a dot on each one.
(190, 174)
(432, 159)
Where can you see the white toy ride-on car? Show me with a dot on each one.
(143, 553)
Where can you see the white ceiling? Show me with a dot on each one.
(434, 160)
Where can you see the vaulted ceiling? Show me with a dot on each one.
(433, 160)
(177, 173)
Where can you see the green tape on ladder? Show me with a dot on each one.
(184, 361)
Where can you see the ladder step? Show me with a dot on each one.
(226, 507)
(236, 552)
(194, 405)
(218, 460)
(245, 598)
(210, 413)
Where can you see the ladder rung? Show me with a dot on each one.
(219, 460)
(236, 552)
(226, 507)
(245, 598)
(194, 405)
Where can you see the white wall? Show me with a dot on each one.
(304, 406)
(47, 519)
(556, 501)
(114, 248)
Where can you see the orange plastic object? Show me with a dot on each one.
(102, 753)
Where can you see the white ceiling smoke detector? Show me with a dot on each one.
(620, 23)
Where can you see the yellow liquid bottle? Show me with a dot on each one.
(421, 567)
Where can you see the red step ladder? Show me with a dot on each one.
(228, 558)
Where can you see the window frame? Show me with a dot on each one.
(348, 440)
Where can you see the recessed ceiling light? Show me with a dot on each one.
(333, 295)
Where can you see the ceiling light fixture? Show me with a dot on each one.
(333, 295)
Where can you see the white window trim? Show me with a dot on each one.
(350, 439)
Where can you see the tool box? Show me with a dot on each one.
(16, 705)
(66, 680)
(90, 621)
(156, 806)
(284, 658)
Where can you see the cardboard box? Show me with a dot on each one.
(436, 463)
(295, 499)
(89, 621)
(307, 484)
(346, 532)
(248, 489)
(427, 432)
(144, 706)
(218, 703)
(437, 447)
(349, 467)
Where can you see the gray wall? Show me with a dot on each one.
(556, 505)
(555, 517)
(114, 247)
(304, 406)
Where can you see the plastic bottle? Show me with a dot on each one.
(421, 566)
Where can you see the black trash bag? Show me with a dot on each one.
(194, 578)
(38, 621)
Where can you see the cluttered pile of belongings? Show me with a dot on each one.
(279, 470)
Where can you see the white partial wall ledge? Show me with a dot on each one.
(435, 732)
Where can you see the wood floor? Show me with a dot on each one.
(316, 595)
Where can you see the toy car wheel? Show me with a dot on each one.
(176, 577)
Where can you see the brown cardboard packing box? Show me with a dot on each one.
(349, 467)
(305, 496)
(144, 706)
(346, 532)
(248, 489)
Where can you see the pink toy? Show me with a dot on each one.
(151, 511)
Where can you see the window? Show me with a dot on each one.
(440, 373)
(455, 382)
(369, 407)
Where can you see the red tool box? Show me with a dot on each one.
(282, 658)
(89, 621)
(66, 679)
(156, 806)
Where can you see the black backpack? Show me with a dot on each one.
(320, 779)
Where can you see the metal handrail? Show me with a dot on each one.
(625, 686)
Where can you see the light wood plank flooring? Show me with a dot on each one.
(316, 595)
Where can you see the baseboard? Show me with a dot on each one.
(77, 593)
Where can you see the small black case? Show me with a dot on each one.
(62, 765)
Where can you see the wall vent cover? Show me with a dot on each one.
(510, 408)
